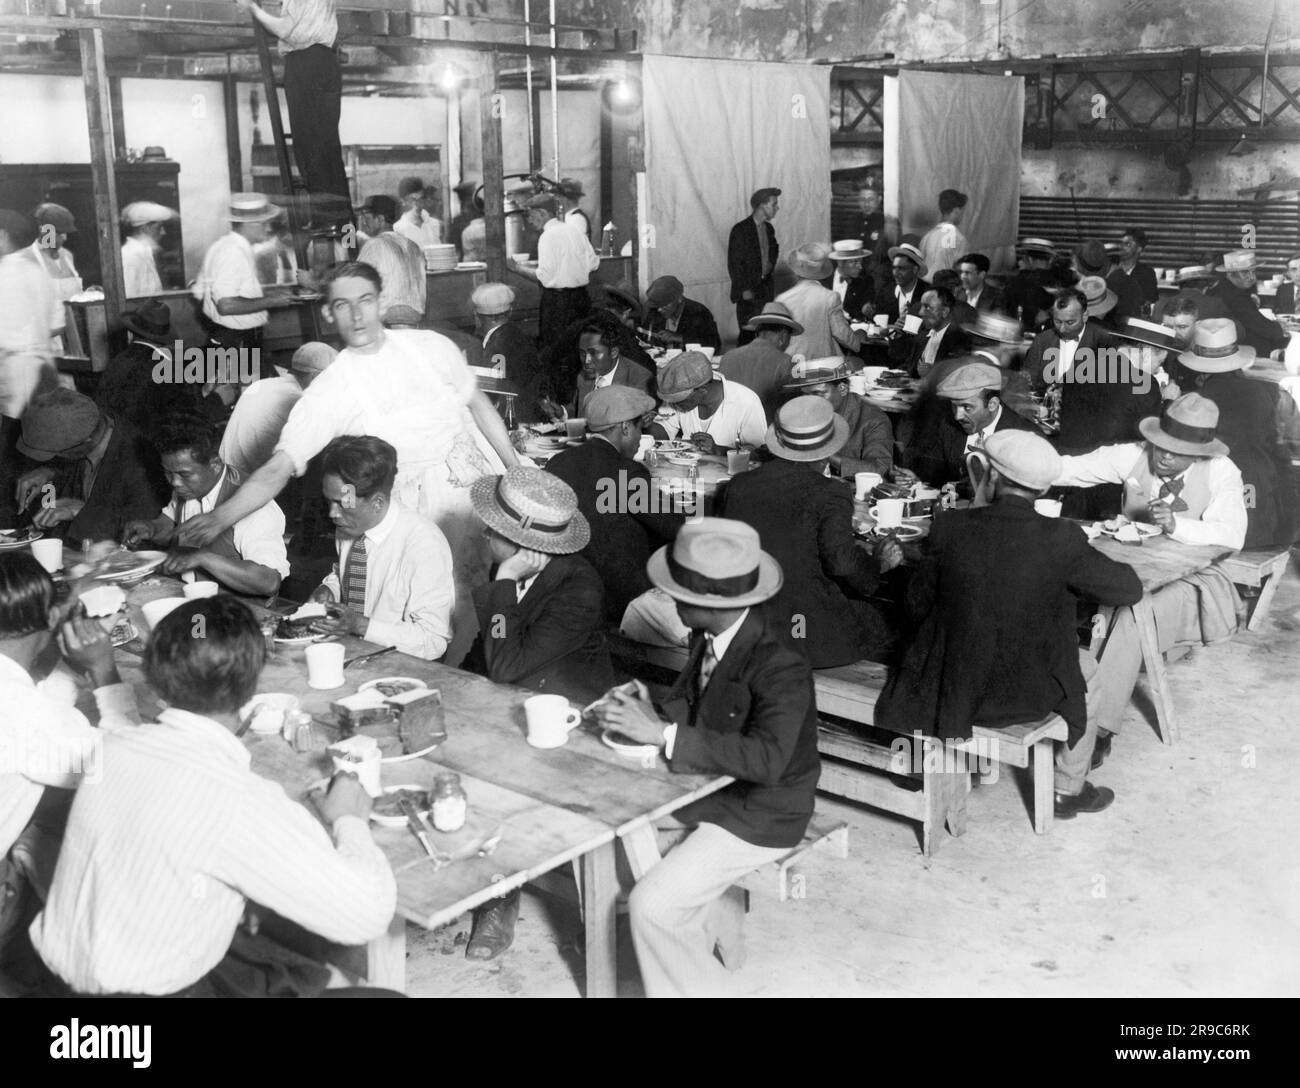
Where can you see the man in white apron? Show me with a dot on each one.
(53, 225)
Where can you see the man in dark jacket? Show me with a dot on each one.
(764, 364)
(995, 603)
(752, 251)
(616, 495)
(870, 444)
(743, 706)
(1025, 296)
(602, 366)
(674, 320)
(1239, 293)
(805, 521)
(941, 337)
(539, 621)
(507, 348)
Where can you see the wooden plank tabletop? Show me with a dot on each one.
(1161, 561)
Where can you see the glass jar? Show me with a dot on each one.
(449, 803)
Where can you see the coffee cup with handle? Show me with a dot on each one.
(550, 719)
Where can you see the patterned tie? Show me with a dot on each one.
(708, 663)
(354, 576)
(1171, 489)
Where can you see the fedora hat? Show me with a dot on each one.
(621, 293)
(999, 328)
(532, 508)
(715, 563)
(906, 249)
(811, 261)
(1146, 332)
(1239, 260)
(829, 368)
(806, 429)
(774, 315)
(1100, 298)
(152, 320)
(848, 249)
(251, 208)
(57, 421)
(1186, 425)
(1036, 245)
(683, 375)
(1215, 349)
(1194, 273)
(1092, 257)
(1023, 457)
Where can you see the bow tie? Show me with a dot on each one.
(1171, 489)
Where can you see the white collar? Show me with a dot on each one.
(722, 642)
(211, 731)
(13, 673)
(379, 533)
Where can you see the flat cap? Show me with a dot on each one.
(492, 298)
(56, 216)
(617, 404)
(1024, 458)
(312, 357)
(664, 291)
(141, 212)
(684, 374)
(57, 421)
(969, 380)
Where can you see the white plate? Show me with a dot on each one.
(684, 459)
(410, 755)
(626, 748)
(672, 446)
(904, 534)
(18, 538)
(411, 681)
(147, 561)
(398, 821)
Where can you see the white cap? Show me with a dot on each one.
(146, 211)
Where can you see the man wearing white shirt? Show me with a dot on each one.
(393, 576)
(415, 221)
(250, 557)
(942, 245)
(711, 412)
(1182, 481)
(26, 301)
(565, 262)
(161, 857)
(145, 223)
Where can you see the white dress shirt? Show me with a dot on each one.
(46, 741)
(314, 23)
(255, 424)
(564, 256)
(258, 537)
(140, 268)
(1223, 521)
(1065, 357)
(421, 227)
(718, 646)
(738, 420)
(943, 246)
(160, 857)
(409, 589)
(26, 301)
(980, 437)
(230, 271)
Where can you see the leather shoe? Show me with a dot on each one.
(494, 928)
(1102, 749)
(1091, 799)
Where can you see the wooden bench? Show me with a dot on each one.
(850, 692)
(1262, 569)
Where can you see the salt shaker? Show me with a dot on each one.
(450, 805)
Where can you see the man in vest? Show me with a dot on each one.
(249, 558)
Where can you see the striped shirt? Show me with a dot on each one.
(161, 855)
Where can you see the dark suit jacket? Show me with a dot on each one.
(625, 373)
(1129, 292)
(551, 641)
(510, 345)
(1284, 301)
(943, 459)
(990, 298)
(995, 603)
(1025, 291)
(756, 721)
(1255, 329)
(805, 522)
(762, 367)
(906, 350)
(127, 391)
(887, 299)
(625, 524)
(1143, 277)
(126, 487)
(859, 290)
(745, 260)
(560, 363)
(695, 325)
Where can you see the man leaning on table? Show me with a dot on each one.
(162, 855)
(393, 577)
(708, 411)
(742, 706)
(1182, 481)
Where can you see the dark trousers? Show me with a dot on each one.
(223, 336)
(560, 307)
(747, 308)
(313, 88)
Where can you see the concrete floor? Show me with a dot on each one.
(1189, 885)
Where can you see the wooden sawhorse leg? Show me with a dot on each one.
(386, 957)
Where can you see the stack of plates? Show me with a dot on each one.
(440, 258)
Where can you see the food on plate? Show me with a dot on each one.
(389, 803)
(363, 708)
(389, 688)
(290, 628)
(421, 724)
(894, 379)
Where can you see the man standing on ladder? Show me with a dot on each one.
(313, 88)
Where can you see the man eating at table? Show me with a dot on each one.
(1182, 481)
(713, 414)
(162, 855)
(742, 706)
(995, 605)
(393, 576)
(248, 558)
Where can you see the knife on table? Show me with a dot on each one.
(412, 815)
(368, 657)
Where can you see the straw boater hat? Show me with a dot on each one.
(1146, 332)
(57, 421)
(715, 563)
(849, 249)
(807, 429)
(151, 320)
(251, 208)
(829, 368)
(1024, 458)
(1215, 349)
(1239, 260)
(1194, 273)
(683, 375)
(1036, 245)
(775, 315)
(970, 379)
(533, 509)
(812, 261)
(912, 254)
(1186, 425)
(1100, 298)
(996, 327)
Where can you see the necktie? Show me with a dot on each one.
(354, 577)
(1171, 489)
(708, 663)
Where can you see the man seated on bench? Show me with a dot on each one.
(995, 606)
(742, 706)
(1181, 480)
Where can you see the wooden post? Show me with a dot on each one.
(489, 111)
(234, 159)
(99, 116)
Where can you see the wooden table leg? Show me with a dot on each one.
(1157, 679)
(600, 910)
(386, 957)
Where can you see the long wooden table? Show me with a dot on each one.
(553, 807)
